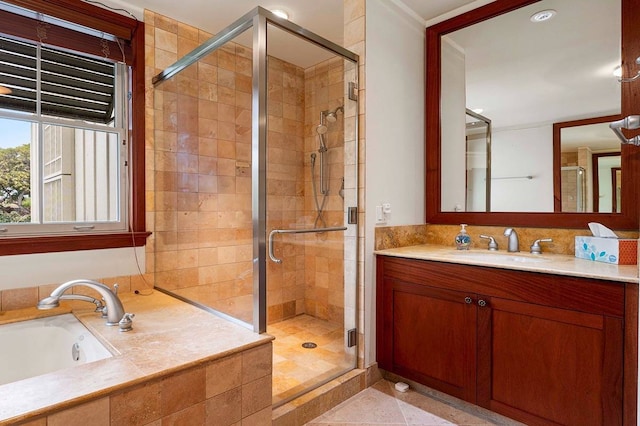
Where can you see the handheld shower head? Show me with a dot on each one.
(321, 129)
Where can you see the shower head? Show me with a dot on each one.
(321, 129)
(332, 116)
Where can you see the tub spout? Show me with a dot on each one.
(114, 308)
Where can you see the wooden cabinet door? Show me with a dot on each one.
(545, 365)
(433, 337)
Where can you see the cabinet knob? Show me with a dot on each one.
(482, 303)
(468, 300)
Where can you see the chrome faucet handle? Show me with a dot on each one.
(115, 288)
(493, 246)
(126, 323)
(535, 247)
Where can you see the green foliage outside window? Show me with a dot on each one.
(15, 184)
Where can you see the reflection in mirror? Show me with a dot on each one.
(606, 183)
(524, 83)
(478, 156)
(588, 151)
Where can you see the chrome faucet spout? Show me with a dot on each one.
(114, 308)
(513, 244)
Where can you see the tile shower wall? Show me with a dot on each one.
(202, 172)
(324, 260)
(200, 182)
(285, 174)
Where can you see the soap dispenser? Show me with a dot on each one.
(463, 240)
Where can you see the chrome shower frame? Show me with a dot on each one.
(258, 19)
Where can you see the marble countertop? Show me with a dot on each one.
(168, 335)
(558, 264)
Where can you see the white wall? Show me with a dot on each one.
(515, 154)
(394, 130)
(30, 270)
(453, 127)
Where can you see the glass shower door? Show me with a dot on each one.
(203, 235)
(311, 175)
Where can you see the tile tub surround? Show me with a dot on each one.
(409, 235)
(164, 369)
(559, 264)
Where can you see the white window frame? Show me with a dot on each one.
(119, 127)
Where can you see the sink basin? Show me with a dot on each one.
(500, 257)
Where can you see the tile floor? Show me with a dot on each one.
(381, 404)
(295, 368)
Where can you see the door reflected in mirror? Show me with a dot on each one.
(478, 160)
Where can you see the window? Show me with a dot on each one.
(71, 126)
(64, 112)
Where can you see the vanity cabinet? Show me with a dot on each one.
(539, 348)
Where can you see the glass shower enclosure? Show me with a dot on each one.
(255, 191)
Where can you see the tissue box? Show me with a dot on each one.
(609, 250)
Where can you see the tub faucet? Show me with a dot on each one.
(114, 308)
(513, 245)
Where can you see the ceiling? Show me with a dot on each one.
(498, 65)
(323, 17)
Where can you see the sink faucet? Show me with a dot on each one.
(514, 245)
(114, 308)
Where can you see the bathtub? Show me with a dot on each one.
(34, 347)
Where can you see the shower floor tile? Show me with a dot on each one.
(296, 369)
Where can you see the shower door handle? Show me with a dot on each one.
(272, 255)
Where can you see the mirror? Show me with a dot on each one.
(483, 59)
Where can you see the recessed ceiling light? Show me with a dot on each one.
(281, 13)
(543, 15)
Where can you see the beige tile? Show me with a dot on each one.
(38, 422)
(93, 413)
(224, 409)
(137, 406)
(182, 390)
(193, 415)
(19, 298)
(261, 418)
(223, 375)
(256, 363)
(256, 396)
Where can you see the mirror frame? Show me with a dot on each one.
(628, 219)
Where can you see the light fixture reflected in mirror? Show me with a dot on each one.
(543, 15)
(281, 13)
(4, 90)
(617, 71)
